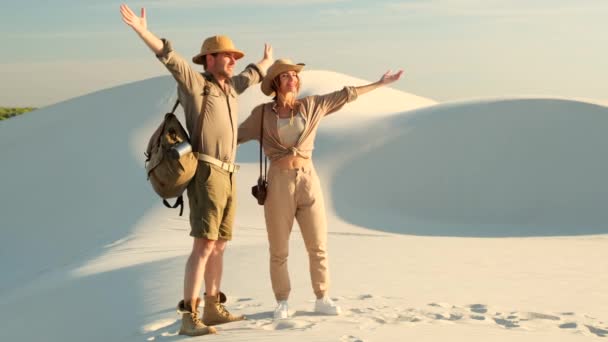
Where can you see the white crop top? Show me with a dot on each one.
(290, 133)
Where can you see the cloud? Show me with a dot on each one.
(499, 8)
(228, 3)
(334, 12)
(61, 34)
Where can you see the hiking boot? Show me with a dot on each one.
(215, 312)
(326, 306)
(223, 297)
(191, 323)
(282, 310)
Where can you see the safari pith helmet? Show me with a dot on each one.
(278, 67)
(217, 44)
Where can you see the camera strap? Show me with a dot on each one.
(261, 143)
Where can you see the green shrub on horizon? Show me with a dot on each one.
(9, 112)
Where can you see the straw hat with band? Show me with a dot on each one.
(217, 44)
(278, 67)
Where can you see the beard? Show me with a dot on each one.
(226, 73)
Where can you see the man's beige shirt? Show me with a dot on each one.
(220, 118)
(312, 108)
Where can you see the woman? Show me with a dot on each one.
(294, 191)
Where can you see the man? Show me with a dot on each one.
(210, 108)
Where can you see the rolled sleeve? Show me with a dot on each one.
(351, 94)
(166, 53)
(188, 79)
(257, 68)
(252, 74)
(332, 102)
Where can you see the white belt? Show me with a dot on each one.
(223, 165)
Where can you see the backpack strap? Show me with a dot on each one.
(198, 126)
(175, 106)
(161, 128)
(178, 202)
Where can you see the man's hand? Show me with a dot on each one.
(138, 24)
(268, 52)
(268, 59)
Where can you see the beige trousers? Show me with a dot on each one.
(296, 194)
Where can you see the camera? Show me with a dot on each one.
(180, 149)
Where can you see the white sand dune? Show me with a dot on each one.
(521, 167)
(447, 222)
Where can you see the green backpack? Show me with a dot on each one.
(170, 162)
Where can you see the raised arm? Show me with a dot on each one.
(140, 26)
(387, 78)
(332, 102)
(189, 80)
(267, 60)
(253, 73)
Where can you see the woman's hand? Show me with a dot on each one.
(387, 78)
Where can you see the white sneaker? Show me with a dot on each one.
(282, 310)
(326, 306)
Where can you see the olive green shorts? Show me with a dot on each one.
(212, 199)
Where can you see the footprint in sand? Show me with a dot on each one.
(569, 325)
(291, 324)
(243, 303)
(410, 316)
(477, 311)
(506, 322)
(350, 338)
(158, 325)
(242, 306)
(478, 308)
(587, 324)
(529, 316)
(372, 312)
(443, 312)
(161, 328)
(439, 305)
(597, 331)
(514, 318)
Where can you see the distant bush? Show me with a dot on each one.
(9, 112)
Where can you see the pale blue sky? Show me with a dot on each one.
(450, 49)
